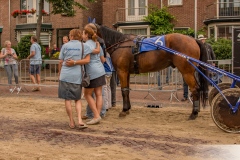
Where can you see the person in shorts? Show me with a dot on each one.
(97, 73)
(35, 63)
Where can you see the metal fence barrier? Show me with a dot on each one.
(168, 80)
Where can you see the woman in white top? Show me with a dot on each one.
(10, 65)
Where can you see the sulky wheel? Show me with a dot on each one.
(213, 92)
(222, 114)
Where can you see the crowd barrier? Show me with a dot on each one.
(168, 80)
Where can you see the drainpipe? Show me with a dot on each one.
(161, 4)
(9, 19)
(195, 18)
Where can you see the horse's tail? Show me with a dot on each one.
(203, 82)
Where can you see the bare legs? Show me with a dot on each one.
(78, 106)
(34, 81)
(95, 106)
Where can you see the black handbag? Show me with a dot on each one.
(85, 76)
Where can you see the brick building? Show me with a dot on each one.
(54, 27)
(216, 16)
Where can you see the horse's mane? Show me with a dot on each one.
(111, 36)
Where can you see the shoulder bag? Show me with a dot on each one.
(85, 76)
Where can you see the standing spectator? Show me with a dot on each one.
(35, 63)
(89, 113)
(96, 72)
(10, 64)
(70, 77)
(210, 53)
(106, 88)
(65, 39)
(168, 76)
(54, 50)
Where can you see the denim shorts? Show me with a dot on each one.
(35, 69)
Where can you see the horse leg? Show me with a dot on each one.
(124, 81)
(192, 83)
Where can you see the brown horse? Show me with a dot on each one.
(120, 48)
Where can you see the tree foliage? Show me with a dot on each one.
(222, 48)
(189, 32)
(66, 7)
(160, 20)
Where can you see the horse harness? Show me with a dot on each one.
(135, 50)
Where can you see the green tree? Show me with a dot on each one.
(59, 6)
(222, 48)
(189, 32)
(160, 20)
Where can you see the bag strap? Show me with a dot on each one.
(83, 66)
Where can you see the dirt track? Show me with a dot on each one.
(36, 127)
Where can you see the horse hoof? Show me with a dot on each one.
(127, 112)
(122, 114)
(193, 116)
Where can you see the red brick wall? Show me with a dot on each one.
(109, 11)
(8, 29)
(57, 21)
(184, 14)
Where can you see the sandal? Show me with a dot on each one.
(84, 117)
(82, 126)
(71, 127)
(94, 121)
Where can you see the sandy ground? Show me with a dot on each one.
(34, 126)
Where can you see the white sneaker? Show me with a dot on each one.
(19, 89)
(10, 90)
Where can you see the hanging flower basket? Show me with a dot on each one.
(32, 11)
(24, 12)
(44, 13)
(15, 13)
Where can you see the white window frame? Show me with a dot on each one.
(175, 2)
(33, 18)
(121, 28)
(136, 16)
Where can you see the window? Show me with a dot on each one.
(174, 2)
(136, 9)
(29, 4)
(212, 32)
(139, 31)
(225, 32)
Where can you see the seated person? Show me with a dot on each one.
(54, 50)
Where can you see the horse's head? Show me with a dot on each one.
(109, 35)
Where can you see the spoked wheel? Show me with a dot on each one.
(213, 92)
(221, 113)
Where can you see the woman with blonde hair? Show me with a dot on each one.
(10, 64)
(70, 76)
(96, 72)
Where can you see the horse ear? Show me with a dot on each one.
(89, 20)
(94, 20)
